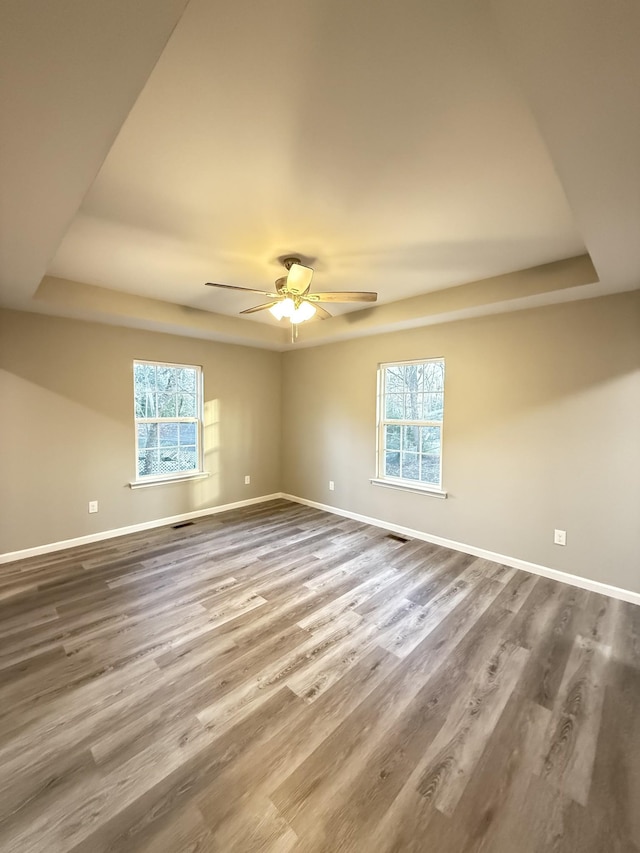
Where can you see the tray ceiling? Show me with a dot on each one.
(408, 149)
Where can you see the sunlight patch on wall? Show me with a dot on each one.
(207, 492)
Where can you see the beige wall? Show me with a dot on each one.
(66, 430)
(542, 430)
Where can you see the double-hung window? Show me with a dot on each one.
(410, 416)
(168, 417)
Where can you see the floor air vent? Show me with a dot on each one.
(397, 538)
(181, 524)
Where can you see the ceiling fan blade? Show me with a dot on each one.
(321, 313)
(339, 296)
(245, 289)
(299, 278)
(262, 307)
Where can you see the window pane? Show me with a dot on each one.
(392, 464)
(434, 376)
(412, 378)
(167, 379)
(146, 405)
(430, 439)
(430, 470)
(144, 376)
(174, 460)
(147, 436)
(148, 462)
(413, 406)
(186, 379)
(144, 380)
(433, 406)
(166, 406)
(410, 466)
(392, 437)
(169, 460)
(430, 458)
(188, 458)
(186, 405)
(138, 377)
(187, 433)
(168, 435)
(410, 438)
(394, 406)
(394, 380)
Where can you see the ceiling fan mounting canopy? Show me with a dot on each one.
(292, 299)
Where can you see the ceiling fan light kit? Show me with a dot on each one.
(304, 311)
(294, 309)
(282, 309)
(292, 300)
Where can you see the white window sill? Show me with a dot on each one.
(162, 481)
(432, 491)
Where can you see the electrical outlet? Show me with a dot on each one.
(560, 537)
(331, 485)
(93, 506)
(247, 480)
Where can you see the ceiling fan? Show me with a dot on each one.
(293, 300)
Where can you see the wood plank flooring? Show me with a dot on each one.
(281, 679)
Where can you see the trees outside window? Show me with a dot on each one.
(168, 415)
(410, 417)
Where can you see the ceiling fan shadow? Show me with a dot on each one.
(355, 317)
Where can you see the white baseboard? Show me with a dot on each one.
(132, 528)
(514, 562)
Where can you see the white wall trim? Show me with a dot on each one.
(514, 562)
(132, 528)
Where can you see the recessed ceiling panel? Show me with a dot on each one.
(386, 144)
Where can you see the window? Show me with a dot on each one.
(168, 412)
(410, 410)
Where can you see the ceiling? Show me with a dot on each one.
(458, 157)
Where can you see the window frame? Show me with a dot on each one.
(382, 478)
(187, 474)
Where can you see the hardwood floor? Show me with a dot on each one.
(277, 678)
